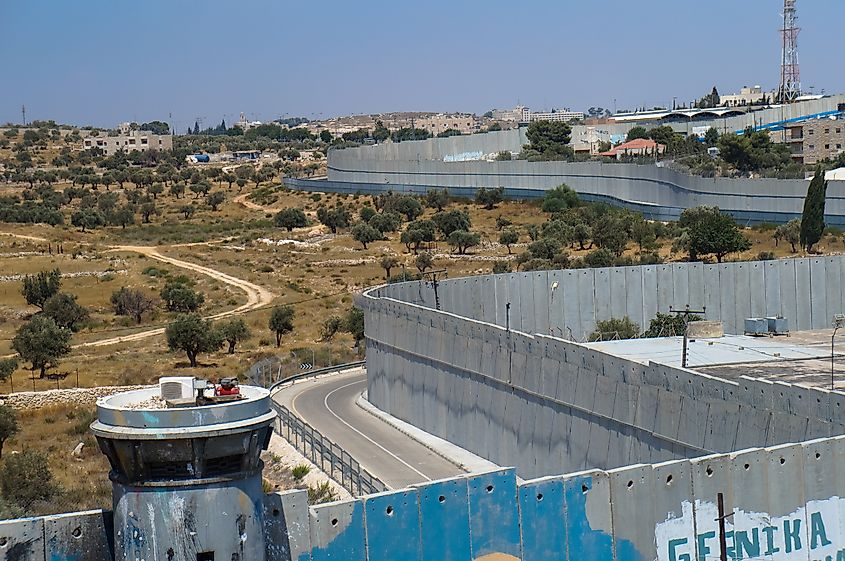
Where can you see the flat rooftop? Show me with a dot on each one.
(803, 357)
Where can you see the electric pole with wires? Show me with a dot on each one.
(686, 313)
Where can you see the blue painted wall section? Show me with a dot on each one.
(542, 520)
(444, 520)
(784, 501)
(494, 514)
(392, 521)
(586, 538)
(337, 532)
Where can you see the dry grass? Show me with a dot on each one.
(318, 278)
(56, 431)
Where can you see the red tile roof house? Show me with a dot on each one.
(636, 147)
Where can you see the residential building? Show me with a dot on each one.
(127, 140)
(636, 147)
(436, 124)
(519, 114)
(746, 96)
(588, 139)
(816, 140)
(564, 115)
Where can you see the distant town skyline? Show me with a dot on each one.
(102, 62)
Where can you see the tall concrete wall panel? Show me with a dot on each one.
(86, 536)
(23, 539)
(568, 303)
(657, 191)
(539, 402)
(392, 525)
(337, 532)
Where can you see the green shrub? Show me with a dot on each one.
(300, 471)
(615, 328)
(155, 272)
(322, 493)
(26, 479)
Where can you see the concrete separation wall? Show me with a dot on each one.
(457, 164)
(568, 303)
(659, 193)
(547, 406)
(458, 147)
(784, 501)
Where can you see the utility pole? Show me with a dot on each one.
(433, 277)
(723, 541)
(838, 323)
(686, 313)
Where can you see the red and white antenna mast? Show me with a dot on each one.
(790, 76)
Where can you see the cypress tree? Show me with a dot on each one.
(812, 219)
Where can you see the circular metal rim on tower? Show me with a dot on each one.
(155, 433)
(115, 415)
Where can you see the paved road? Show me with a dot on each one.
(328, 405)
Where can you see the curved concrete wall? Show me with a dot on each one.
(659, 193)
(650, 189)
(568, 303)
(546, 405)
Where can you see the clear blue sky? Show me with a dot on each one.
(105, 61)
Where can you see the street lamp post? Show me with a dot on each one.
(838, 323)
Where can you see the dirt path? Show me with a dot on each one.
(23, 237)
(243, 201)
(257, 296)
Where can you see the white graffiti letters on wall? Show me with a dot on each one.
(814, 533)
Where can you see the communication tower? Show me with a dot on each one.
(790, 76)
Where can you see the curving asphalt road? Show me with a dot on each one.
(328, 405)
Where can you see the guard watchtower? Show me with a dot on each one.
(186, 471)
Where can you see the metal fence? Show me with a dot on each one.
(330, 457)
(265, 372)
(271, 371)
(313, 373)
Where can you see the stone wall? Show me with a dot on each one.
(70, 396)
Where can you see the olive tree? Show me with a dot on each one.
(194, 335)
(234, 331)
(281, 322)
(42, 286)
(41, 342)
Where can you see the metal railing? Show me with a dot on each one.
(317, 372)
(330, 457)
